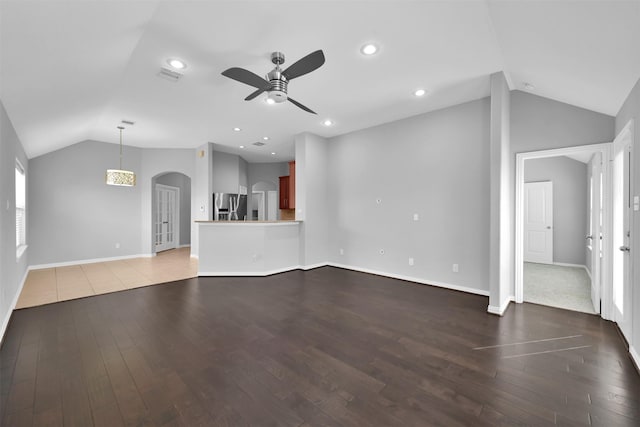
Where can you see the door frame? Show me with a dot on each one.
(176, 209)
(626, 132)
(605, 283)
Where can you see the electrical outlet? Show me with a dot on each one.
(341, 251)
(455, 268)
(416, 217)
(117, 245)
(410, 261)
(381, 251)
(254, 258)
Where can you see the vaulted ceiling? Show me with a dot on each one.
(73, 70)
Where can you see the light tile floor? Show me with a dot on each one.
(64, 283)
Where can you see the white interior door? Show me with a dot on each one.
(272, 205)
(538, 222)
(166, 217)
(594, 236)
(621, 236)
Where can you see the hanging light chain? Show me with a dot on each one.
(121, 128)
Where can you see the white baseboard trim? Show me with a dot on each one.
(413, 279)
(566, 264)
(195, 256)
(635, 356)
(14, 302)
(87, 261)
(248, 273)
(503, 307)
(312, 266)
(188, 245)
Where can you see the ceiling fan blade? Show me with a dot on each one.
(247, 77)
(311, 62)
(296, 103)
(254, 94)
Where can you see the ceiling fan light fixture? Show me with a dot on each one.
(369, 49)
(177, 64)
(269, 100)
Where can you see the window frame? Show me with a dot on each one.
(21, 240)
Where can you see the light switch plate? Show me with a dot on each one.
(636, 203)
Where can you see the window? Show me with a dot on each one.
(21, 210)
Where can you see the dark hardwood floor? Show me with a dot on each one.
(327, 347)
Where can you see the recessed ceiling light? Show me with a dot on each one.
(529, 86)
(273, 153)
(177, 64)
(237, 129)
(420, 92)
(242, 146)
(270, 101)
(266, 138)
(369, 49)
(327, 122)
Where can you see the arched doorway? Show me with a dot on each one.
(170, 211)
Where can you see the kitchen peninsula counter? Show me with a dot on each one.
(247, 248)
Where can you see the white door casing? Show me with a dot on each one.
(594, 238)
(538, 222)
(621, 230)
(166, 217)
(272, 205)
(604, 149)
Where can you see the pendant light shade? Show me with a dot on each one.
(120, 177)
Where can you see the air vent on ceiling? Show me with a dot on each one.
(259, 144)
(128, 122)
(167, 74)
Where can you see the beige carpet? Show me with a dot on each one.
(558, 286)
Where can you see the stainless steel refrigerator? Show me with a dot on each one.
(229, 207)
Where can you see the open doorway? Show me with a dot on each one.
(171, 211)
(559, 227)
(264, 201)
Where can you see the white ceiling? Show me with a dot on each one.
(72, 70)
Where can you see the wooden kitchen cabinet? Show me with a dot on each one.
(288, 188)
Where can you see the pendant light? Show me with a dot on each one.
(120, 177)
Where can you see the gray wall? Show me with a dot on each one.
(435, 165)
(570, 204)
(182, 182)
(228, 172)
(12, 273)
(73, 214)
(631, 110)
(539, 123)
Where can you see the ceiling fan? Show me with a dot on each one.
(277, 80)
